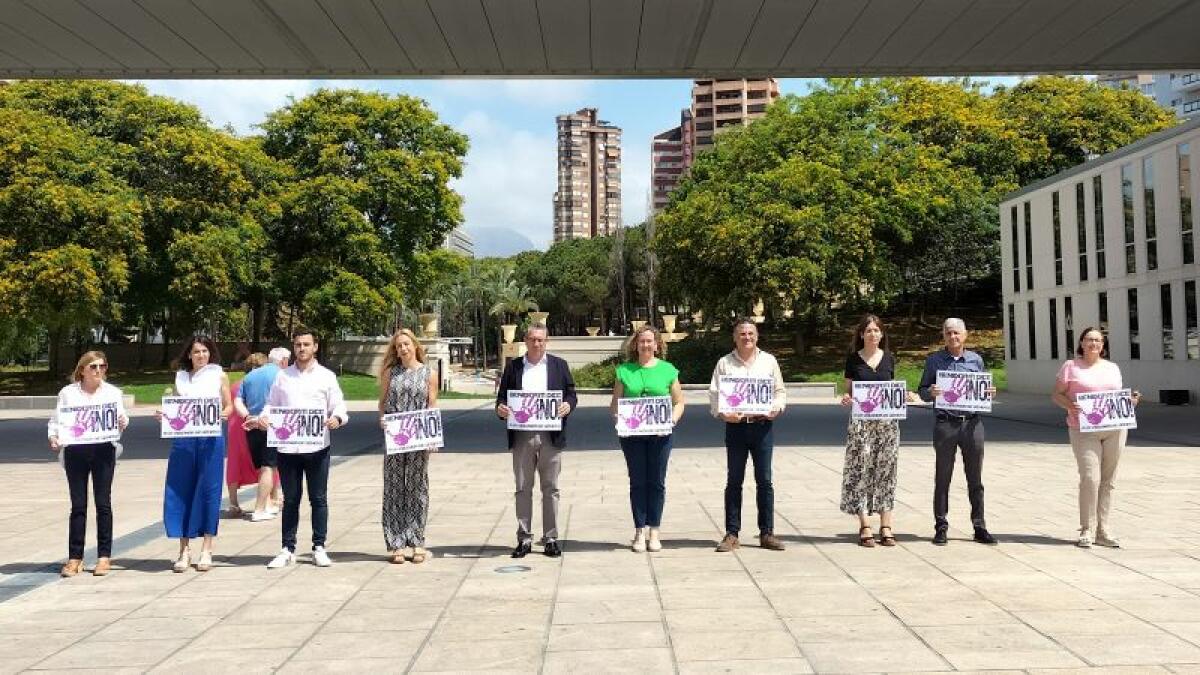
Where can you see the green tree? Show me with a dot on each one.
(368, 190)
(68, 227)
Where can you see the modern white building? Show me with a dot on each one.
(1109, 243)
(1178, 91)
(460, 242)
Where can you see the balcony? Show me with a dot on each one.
(1186, 82)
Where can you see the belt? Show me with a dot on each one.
(758, 419)
(951, 417)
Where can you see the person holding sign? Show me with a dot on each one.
(249, 401)
(406, 384)
(646, 375)
(954, 429)
(305, 402)
(83, 429)
(1097, 453)
(747, 392)
(872, 445)
(196, 466)
(536, 433)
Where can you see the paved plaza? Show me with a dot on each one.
(1035, 603)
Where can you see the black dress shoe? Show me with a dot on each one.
(553, 550)
(984, 537)
(522, 549)
(939, 537)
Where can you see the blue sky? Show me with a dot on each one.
(509, 179)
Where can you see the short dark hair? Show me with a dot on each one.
(303, 331)
(737, 323)
(184, 362)
(1083, 333)
(868, 319)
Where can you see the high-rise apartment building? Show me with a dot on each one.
(670, 156)
(1178, 91)
(716, 104)
(588, 201)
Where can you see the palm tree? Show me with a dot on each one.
(511, 297)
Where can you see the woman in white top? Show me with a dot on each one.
(196, 467)
(84, 460)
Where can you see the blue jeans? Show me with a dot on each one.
(646, 458)
(295, 470)
(756, 441)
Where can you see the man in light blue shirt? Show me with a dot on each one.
(250, 400)
(954, 430)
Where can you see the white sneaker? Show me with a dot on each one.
(259, 516)
(1084, 541)
(639, 541)
(284, 559)
(320, 557)
(1105, 540)
(272, 510)
(653, 543)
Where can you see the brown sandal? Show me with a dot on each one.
(888, 539)
(396, 558)
(419, 556)
(865, 540)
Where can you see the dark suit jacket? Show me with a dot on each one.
(558, 376)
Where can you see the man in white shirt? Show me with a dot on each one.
(537, 453)
(748, 436)
(305, 384)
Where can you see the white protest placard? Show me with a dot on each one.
(886, 400)
(646, 416)
(534, 410)
(1106, 410)
(83, 424)
(412, 431)
(963, 391)
(296, 426)
(745, 395)
(190, 417)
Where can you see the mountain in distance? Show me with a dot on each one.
(499, 242)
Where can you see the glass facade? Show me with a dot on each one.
(1135, 345)
(1056, 217)
(1054, 329)
(1028, 249)
(1081, 227)
(1069, 326)
(1032, 331)
(1127, 215)
(1148, 213)
(1098, 209)
(1183, 153)
(1168, 325)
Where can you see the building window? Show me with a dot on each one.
(1012, 331)
(1028, 249)
(1127, 212)
(1056, 216)
(1148, 212)
(1184, 153)
(1069, 325)
(1135, 347)
(1016, 252)
(1168, 325)
(1054, 329)
(1032, 331)
(1192, 332)
(1098, 209)
(1103, 302)
(1081, 227)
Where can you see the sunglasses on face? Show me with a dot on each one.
(98, 366)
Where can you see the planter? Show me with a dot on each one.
(539, 317)
(429, 325)
(593, 331)
(510, 332)
(637, 325)
(669, 323)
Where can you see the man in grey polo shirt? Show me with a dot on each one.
(954, 430)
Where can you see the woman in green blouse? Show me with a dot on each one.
(646, 373)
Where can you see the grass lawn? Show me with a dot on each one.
(147, 386)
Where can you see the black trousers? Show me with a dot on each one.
(296, 471)
(949, 435)
(97, 461)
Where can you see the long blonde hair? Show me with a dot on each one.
(85, 361)
(631, 352)
(391, 360)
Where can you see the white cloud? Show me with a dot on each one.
(509, 178)
(237, 103)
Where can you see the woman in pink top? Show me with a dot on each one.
(1096, 452)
